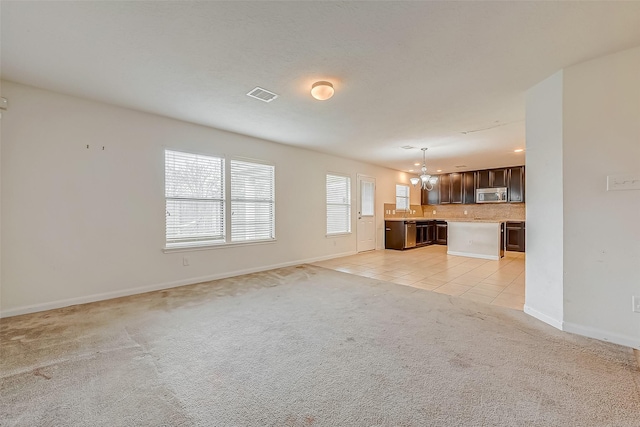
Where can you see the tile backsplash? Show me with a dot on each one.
(506, 211)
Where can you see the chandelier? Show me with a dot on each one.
(426, 181)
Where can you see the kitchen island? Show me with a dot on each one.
(476, 239)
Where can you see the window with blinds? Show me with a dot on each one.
(194, 193)
(338, 204)
(402, 197)
(252, 201)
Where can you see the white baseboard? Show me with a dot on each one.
(585, 331)
(601, 335)
(472, 255)
(157, 287)
(543, 317)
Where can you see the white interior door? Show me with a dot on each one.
(366, 232)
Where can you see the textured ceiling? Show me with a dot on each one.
(450, 76)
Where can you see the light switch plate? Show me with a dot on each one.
(623, 182)
(636, 304)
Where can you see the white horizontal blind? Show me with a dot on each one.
(194, 194)
(367, 191)
(338, 204)
(252, 201)
(402, 197)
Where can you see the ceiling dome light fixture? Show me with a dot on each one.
(322, 90)
(426, 181)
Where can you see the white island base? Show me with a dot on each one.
(475, 239)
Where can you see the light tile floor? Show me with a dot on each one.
(491, 282)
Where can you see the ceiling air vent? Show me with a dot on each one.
(262, 94)
(461, 166)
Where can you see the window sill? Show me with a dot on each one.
(208, 246)
(329, 236)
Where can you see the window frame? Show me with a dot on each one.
(231, 200)
(349, 204)
(194, 245)
(408, 197)
(203, 241)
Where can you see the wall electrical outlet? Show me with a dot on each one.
(434, 212)
(636, 304)
(185, 261)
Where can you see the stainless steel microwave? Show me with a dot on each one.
(491, 195)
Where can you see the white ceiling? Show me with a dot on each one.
(406, 73)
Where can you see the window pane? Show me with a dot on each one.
(338, 204)
(251, 221)
(338, 189)
(252, 201)
(366, 197)
(194, 220)
(193, 176)
(194, 191)
(402, 190)
(338, 219)
(402, 197)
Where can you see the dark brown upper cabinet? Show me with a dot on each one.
(460, 187)
(483, 179)
(516, 184)
(432, 197)
(468, 187)
(445, 189)
(456, 187)
(492, 178)
(499, 177)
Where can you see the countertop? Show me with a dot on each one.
(454, 219)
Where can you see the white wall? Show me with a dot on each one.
(602, 229)
(583, 242)
(544, 232)
(85, 224)
(1, 199)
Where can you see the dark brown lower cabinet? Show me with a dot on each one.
(514, 236)
(431, 232)
(421, 233)
(394, 235)
(441, 233)
(426, 233)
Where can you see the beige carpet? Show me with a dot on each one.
(306, 346)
